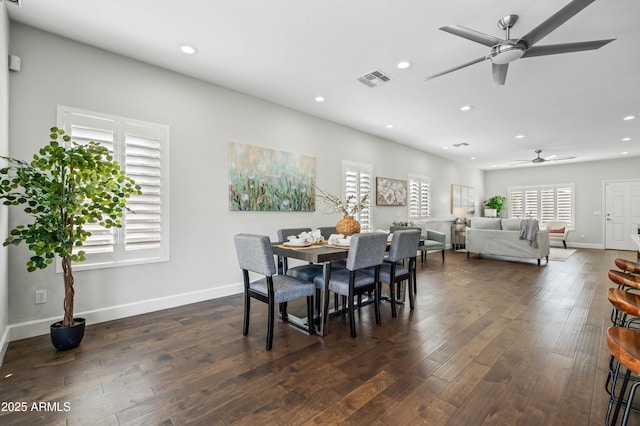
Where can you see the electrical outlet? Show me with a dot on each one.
(41, 296)
(582, 236)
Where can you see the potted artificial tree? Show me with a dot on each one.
(64, 187)
(495, 203)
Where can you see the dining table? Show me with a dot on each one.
(320, 253)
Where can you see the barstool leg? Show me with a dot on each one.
(627, 411)
(625, 382)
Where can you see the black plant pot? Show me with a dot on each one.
(64, 338)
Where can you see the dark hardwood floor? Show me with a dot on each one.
(491, 342)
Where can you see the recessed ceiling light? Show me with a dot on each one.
(403, 65)
(466, 108)
(320, 99)
(445, 147)
(389, 126)
(473, 158)
(626, 139)
(188, 49)
(624, 153)
(629, 117)
(519, 136)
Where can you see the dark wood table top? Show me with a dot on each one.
(317, 253)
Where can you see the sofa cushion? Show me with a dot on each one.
(485, 223)
(511, 224)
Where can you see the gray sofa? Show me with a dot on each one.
(501, 237)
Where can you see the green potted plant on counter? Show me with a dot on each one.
(495, 203)
(65, 187)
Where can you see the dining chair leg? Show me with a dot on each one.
(283, 311)
(247, 306)
(352, 320)
(392, 299)
(411, 290)
(270, 322)
(310, 322)
(376, 301)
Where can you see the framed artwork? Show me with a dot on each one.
(263, 179)
(463, 197)
(391, 192)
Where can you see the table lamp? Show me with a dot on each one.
(460, 214)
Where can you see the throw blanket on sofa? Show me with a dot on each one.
(528, 231)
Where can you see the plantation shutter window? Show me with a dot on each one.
(357, 183)
(543, 202)
(419, 196)
(142, 150)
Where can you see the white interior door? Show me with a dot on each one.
(622, 214)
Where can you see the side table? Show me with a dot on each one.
(458, 236)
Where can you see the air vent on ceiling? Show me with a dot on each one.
(461, 144)
(374, 78)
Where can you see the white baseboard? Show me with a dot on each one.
(4, 344)
(39, 327)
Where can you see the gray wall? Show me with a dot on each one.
(203, 119)
(4, 144)
(589, 181)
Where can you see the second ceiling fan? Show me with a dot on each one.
(508, 50)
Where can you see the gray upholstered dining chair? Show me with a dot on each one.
(256, 255)
(283, 236)
(304, 272)
(365, 251)
(326, 231)
(431, 240)
(400, 264)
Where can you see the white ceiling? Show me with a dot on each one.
(290, 51)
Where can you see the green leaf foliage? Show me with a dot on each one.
(64, 187)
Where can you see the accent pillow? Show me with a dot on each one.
(556, 230)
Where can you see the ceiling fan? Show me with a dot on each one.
(539, 159)
(508, 50)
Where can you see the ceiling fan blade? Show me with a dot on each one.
(554, 21)
(475, 61)
(499, 73)
(473, 35)
(559, 158)
(553, 49)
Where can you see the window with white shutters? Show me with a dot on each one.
(142, 150)
(542, 202)
(357, 183)
(419, 196)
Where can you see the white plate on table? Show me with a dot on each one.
(297, 244)
(343, 244)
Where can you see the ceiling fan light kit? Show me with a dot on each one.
(504, 51)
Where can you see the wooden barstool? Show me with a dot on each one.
(624, 304)
(624, 280)
(628, 266)
(624, 345)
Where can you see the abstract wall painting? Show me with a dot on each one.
(391, 192)
(263, 179)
